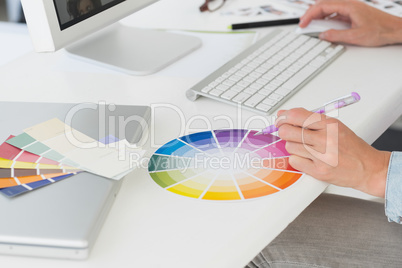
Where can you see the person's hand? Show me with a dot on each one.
(326, 149)
(369, 26)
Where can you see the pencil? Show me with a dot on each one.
(267, 23)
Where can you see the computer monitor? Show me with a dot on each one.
(89, 29)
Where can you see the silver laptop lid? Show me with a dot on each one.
(63, 219)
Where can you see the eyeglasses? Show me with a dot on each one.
(212, 5)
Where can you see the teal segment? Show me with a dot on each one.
(37, 148)
(21, 140)
(162, 162)
(53, 155)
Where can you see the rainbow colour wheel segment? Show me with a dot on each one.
(230, 164)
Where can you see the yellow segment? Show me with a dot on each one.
(194, 187)
(186, 191)
(223, 188)
(220, 195)
(6, 163)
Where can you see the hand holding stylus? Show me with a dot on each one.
(326, 149)
(326, 108)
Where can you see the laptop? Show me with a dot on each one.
(62, 220)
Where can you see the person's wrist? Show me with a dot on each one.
(377, 177)
(394, 33)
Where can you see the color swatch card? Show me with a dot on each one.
(6, 163)
(29, 144)
(22, 171)
(90, 155)
(14, 181)
(8, 151)
(223, 165)
(25, 185)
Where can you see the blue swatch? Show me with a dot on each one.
(20, 189)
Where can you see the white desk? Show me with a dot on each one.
(148, 227)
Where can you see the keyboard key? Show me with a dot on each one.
(302, 75)
(241, 73)
(283, 77)
(283, 91)
(253, 64)
(213, 84)
(226, 75)
(232, 70)
(206, 89)
(228, 83)
(274, 72)
(269, 101)
(220, 79)
(267, 66)
(222, 87)
(265, 92)
(268, 76)
(239, 66)
(288, 72)
(228, 95)
(250, 90)
(254, 100)
(247, 69)
(241, 97)
(259, 60)
(329, 50)
(276, 82)
(237, 88)
(275, 96)
(256, 75)
(271, 87)
(216, 92)
(243, 83)
(256, 86)
(235, 78)
(317, 62)
(262, 81)
(261, 70)
(249, 78)
(286, 63)
(245, 61)
(279, 68)
(263, 107)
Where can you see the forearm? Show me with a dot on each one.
(375, 166)
(393, 33)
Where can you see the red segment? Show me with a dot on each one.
(8, 151)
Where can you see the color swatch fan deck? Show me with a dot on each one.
(230, 164)
(22, 171)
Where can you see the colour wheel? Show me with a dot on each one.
(230, 164)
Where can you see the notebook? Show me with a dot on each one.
(62, 220)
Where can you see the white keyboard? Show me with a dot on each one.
(266, 74)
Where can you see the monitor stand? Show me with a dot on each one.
(132, 50)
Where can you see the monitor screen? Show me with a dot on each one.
(70, 12)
